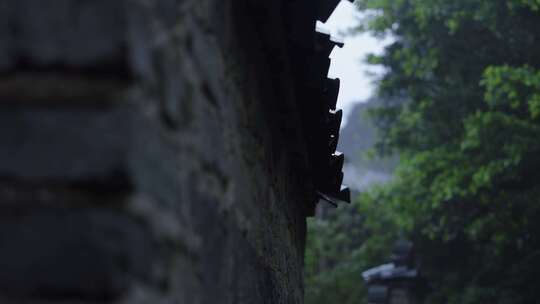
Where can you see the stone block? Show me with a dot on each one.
(74, 144)
(62, 254)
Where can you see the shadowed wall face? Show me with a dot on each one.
(162, 151)
(145, 155)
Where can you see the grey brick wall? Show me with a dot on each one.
(151, 151)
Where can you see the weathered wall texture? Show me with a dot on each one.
(153, 151)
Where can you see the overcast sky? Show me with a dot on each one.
(347, 62)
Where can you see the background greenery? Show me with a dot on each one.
(460, 105)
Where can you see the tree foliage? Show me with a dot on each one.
(467, 127)
(462, 85)
(340, 246)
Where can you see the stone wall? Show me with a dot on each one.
(156, 151)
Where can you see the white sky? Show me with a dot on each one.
(347, 62)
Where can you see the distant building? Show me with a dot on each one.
(397, 282)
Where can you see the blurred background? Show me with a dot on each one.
(441, 138)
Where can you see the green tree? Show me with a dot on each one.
(341, 244)
(463, 78)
